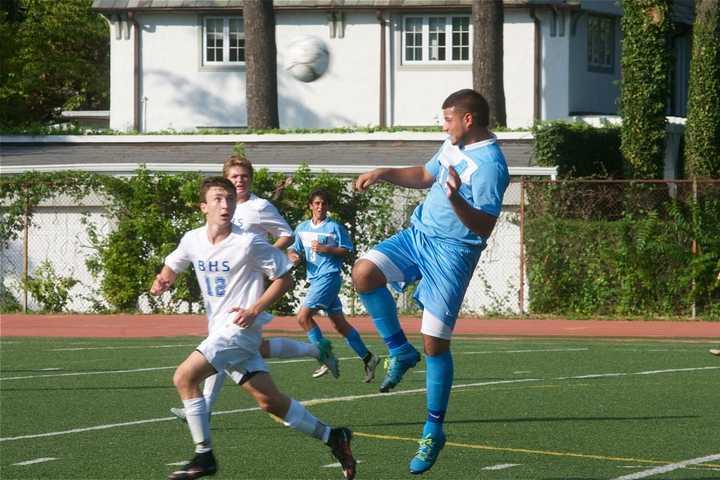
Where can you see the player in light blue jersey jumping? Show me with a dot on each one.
(324, 243)
(467, 178)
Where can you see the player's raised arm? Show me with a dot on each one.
(411, 177)
(163, 280)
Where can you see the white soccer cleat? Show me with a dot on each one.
(322, 370)
(715, 351)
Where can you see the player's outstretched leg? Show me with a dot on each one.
(402, 355)
(439, 379)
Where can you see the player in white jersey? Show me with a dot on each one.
(231, 267)
(467, 179)
(257, 215)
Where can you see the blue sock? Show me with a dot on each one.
(439, 380)
(355, 342)
(382, 308)
(315, 335)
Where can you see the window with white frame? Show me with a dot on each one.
(223, 41)
(601, 44)
(431, 39)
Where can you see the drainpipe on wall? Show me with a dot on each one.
(136, 71)
(383, 74)
(537, 66)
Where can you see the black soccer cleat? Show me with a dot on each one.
(339, 443)
(202, 464)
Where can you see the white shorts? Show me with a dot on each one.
(234, 350)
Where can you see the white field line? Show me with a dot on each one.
(316, 401)
(669, 468)
(324, 401)
(501, 466)
(76, 374)
(489, 352)
(135, 370)
(133, 347)
(272, 362)
(647, 372)
(37, 460)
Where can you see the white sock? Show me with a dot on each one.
(298, 418)
(211, 390)
(286, 348)
(198, 423)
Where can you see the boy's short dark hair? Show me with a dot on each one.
(318, 192)
(211, 182)
(470, 101)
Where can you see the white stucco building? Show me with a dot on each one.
(179, 64)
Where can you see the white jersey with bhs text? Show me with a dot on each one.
(259, 216)
(231, 273)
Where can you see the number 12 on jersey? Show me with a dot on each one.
(215, 286)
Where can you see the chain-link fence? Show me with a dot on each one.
(45, 267)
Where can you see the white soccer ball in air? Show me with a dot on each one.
(307, 58)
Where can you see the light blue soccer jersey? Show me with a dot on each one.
(484, 174)
(328, 232)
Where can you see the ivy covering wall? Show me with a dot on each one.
(702, 137)
(644, 86)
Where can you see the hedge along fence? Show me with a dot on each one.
(623, 248)
(150, 211)
(578, 149)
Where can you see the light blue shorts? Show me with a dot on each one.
(323, 294)
(443, 269)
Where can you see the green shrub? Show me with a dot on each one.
(578, 150)
(635, 261)
(49, 289)
(8, 302)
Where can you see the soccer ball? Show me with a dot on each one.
(307, 58)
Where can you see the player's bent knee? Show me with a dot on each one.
(366, 276)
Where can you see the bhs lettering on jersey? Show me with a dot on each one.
(213, 266)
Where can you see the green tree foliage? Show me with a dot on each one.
(151, 211)
(55, 56)
(644, 86)
(702, 137)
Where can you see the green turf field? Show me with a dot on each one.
(521, 409)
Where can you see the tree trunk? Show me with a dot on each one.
(260, 64)
(488, 19)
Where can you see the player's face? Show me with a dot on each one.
(218, 207)
(456, 124)
(319, 209)
(241, 178)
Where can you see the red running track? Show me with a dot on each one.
(137, 326)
